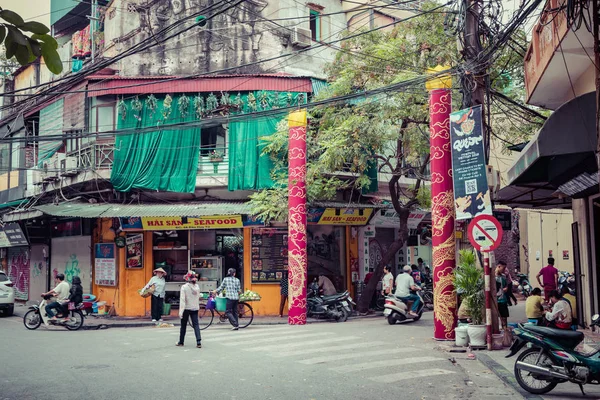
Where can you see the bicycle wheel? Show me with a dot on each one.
(245, 315)
(205, 317)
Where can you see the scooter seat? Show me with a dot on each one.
(567, 338)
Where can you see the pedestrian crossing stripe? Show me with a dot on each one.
(305, 344)
(339, 357)
(391, 378)
(275, 339)
(384, 363)
(351, 346)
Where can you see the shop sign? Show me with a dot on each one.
(471, 192)
(131, 224)
(135, 250)
(369, 232)
(176, 223)
(105, 263)
(390, 219)
(12, 235)
(345, 216)
(314, 215)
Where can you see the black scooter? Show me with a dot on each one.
(336, 307)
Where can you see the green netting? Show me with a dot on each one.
(165, 160)
(51, 123)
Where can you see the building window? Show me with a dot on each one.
(315, 25)
(73, 141)
(213, 139)
(102, 114)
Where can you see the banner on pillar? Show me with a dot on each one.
(471, 192)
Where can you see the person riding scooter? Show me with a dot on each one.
(61, 292)
(404, 284)
(76, 292)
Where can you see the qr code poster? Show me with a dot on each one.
(471, 192)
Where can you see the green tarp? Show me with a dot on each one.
(51, 124)
(164, 160)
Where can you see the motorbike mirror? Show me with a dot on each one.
(596, 319)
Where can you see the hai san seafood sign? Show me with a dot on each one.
(471, 192)
(210, 222)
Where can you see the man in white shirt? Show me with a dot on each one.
(61, 292)
(404, 284)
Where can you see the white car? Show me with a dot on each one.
(7, 295)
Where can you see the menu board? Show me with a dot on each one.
(105, 272)
(269, 255)
(134, 245)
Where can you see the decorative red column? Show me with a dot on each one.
(442, 207)
(297, 256)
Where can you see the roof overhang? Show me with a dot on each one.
(559, 163)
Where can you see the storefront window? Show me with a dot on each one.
(327, 254)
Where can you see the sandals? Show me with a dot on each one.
(199, 346)
(179, 344)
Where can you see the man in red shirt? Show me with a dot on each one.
(549, 276)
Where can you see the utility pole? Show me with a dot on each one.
(473, 84)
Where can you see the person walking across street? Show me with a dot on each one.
(189, 299)
(549, 279)
(233, 288)
(158, 297)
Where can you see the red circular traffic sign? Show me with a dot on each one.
(485, 232)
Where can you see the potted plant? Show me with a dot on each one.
(215, 156)
(469, 284)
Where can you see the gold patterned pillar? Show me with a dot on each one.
(442, 206)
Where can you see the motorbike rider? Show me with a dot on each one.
(326, 286)
(61, 292)
(561, 315)
(404, 284)
(76, 292)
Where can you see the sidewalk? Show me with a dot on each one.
(104, 321)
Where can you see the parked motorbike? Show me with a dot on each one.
(568, 280)
(37, 314)
(397, 310)
(336, 307)
(427, 295)
(524, 285)
(550, 358)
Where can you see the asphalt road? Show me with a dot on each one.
(361, 359)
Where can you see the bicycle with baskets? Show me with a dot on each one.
(208, 309)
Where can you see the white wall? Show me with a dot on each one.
(72, 256)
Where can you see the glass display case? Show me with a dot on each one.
(209, 270)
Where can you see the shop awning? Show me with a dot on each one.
(559, 162)
(85, 210)
(563, 148)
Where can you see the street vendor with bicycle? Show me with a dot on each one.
(233, 288)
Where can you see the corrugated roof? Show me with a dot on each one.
(223, 83)
(345, 204)
(85, 210)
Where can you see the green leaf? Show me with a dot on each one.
(46, 39)
(51, 58)
(17, 35)
(35, 46)
(22, 54)
(11, 17)
(2, 33)
(11, 46)
(35, 27)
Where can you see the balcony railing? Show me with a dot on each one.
(95, 156)
(210, 164)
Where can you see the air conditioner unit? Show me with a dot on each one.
(301, 37)
(68, 166)
(34, 177)
(493, 178)
(49, 171)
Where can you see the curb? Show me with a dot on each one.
(506, 376)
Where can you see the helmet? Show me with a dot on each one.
(407, 269)
(76, 280)
(190, 277)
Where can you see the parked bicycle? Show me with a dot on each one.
(206, 314)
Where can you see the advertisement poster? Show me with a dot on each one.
(471, 193)
(135, 250)
(105, 271)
